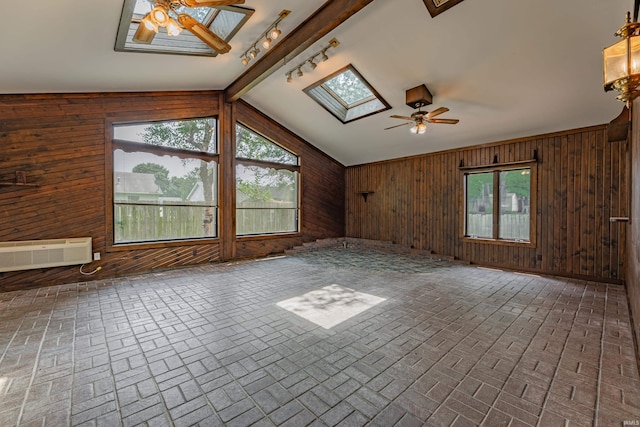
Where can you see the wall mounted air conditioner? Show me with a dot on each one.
(29, 254)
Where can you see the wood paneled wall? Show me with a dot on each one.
(417, 202)
(633, 242)
(322, 186)
(62, 142)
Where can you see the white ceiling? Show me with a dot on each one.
(506, 69)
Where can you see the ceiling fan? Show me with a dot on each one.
(419, 119)
(419, 97)
(164, 14)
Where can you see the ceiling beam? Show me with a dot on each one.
(329, 16)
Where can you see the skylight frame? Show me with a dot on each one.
(129, 22)
(340, 108)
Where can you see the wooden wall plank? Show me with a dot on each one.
(632, 271)
(575, 172)
(62, 141)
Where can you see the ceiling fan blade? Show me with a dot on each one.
(445, 121)
(437, 112)
(204, 34)
(402, 117)
(403, 124)
(209, 3)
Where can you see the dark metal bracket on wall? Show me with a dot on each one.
(365, 194)
(21, 181)
(496, 164)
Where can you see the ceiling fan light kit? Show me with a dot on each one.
(160, 16)
(419, 97)
(419, 128)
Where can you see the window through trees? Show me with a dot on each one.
(498, 204)
(267, 175)
(165, 180)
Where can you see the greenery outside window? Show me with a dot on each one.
(267, 181)
(498, 204)
(165, 180)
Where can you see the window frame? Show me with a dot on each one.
(273, 165)
(496, 169)
(128, 19)
(132, 146)
(342, 113)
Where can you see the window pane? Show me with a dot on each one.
(250, 145)
(515, 192)
(194, 134)
(226, 21)
(349, 88)
(163, 197)
(266, 200)
(479, 205)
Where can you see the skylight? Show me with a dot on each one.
(347, 95)
(349, 89)
(225, 21)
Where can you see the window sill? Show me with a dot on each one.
(117, 247)
(500, 242)
(249, 237)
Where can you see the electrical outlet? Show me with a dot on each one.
(96, 256)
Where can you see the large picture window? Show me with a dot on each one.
(498, 204)
(165, 181)
(267, 176)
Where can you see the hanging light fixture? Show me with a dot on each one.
(622, 62)
(311, 60)
(166, 14)
(419, 128)
(266, 39)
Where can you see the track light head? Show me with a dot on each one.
(300, 73)
(245, 60)
(266, 39)
(312, 64)
(289, 77)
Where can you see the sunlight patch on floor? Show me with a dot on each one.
(331, 305)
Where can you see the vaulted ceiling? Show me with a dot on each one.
(506, 69)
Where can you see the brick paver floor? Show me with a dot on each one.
(450, 345)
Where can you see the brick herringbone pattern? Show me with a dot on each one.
(451, 345)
